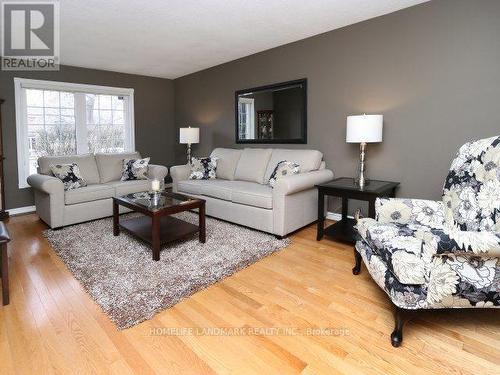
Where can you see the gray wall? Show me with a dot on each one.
(432, 70)
(154, 118)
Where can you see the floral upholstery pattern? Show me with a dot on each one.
(283, 168)
(410, 211)
(452, 281)
(471, 193)
(135, 169)
(203, 168)
(69, 174)
(406, 249)
(428, 254)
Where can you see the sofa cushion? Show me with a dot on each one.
(243, 192)
(88, 194)
(309, 160)
(191, 186)
(252, 194)
(252, 165)
(220, 189)
(86, 163)
(128, 187)
(110, 166)
(227, 160)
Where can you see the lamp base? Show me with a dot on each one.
(361, 185)
(361, 181)
(189, 153)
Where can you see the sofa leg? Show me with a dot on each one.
(357, 268)
(279, 237)
(401, 317)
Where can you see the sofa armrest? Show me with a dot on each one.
(302, 181)
(456, 241)
(157, 172)
(410, 211)
(46, 184)
(179, 173)
(49, 198)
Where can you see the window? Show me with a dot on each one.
(57, 118)
(246, 120)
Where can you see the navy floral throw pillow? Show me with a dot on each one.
(283, 168)
(203, 168)
(69, 174)
(135, 169)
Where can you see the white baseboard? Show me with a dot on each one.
(21, 210)
(336, 216)
(24, 210)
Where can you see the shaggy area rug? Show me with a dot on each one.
(120, 275)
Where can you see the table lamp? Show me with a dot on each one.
(363, 129)
(189, 136)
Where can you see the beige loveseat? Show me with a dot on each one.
(102, 172)
(241, 193)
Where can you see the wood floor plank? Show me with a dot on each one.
(52, 326)
(6, 360)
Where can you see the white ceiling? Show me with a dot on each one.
(172, 38)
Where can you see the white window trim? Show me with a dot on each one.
(21, 116)
(250, 130)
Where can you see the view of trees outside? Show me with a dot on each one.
(52, 124)
(105, 123)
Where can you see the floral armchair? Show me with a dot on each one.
(440, 254)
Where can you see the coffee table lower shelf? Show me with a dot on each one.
(171, 229)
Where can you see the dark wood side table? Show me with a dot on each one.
(345, 188)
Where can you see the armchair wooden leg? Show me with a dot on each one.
(357, 268)
(401, 317)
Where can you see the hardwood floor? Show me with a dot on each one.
(53, 326)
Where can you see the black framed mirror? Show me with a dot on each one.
(272, 114)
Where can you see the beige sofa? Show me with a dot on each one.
(241, 193)
(102, 172)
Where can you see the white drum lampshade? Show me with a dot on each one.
(189, 135)
(364, 128)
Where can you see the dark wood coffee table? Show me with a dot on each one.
(157, 227)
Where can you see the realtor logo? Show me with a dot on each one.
(30, 35)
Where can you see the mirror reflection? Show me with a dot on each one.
(272, 114)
